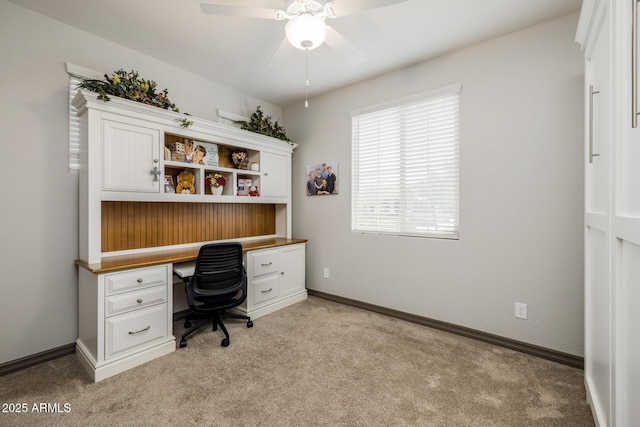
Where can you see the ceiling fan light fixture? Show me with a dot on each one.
(306, 31)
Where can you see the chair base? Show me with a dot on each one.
(216, 318)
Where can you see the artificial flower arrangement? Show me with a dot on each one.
(129, 85)
(216, 180)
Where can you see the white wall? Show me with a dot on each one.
(39, 215)
(521, 193)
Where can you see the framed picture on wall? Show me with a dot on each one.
(322, 178)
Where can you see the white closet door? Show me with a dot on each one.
(626, 228)
(598, 288)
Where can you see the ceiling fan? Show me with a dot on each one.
(306, 28)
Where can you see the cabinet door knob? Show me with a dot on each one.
(266, 174)
(282, 272)
(139, 300)
(139, 280)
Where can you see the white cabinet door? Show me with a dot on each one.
(291, 265)
(130, 157)
(275, 178)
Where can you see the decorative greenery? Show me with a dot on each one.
(216, 180)
(264, 125)
(184, 122)
(129, 85)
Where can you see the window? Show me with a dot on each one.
(405, 166)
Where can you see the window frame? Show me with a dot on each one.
(374, 214)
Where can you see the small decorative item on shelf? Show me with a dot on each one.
(129, 85)
(168, 184)
(244, 186)
(186, 182)
(253, 191)
(216, 182)
(240, 159)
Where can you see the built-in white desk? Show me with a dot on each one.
(126, 302)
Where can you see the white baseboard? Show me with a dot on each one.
(263, 310)
(111, 368)
(594, 404)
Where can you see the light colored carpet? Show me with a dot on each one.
(317, 363)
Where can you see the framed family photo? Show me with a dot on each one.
(322, 178)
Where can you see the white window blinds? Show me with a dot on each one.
(74, 126)
(406, 166)
(76, 73)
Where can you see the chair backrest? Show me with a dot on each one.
(219, 270)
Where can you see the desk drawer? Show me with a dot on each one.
(265, 288)
(140, 327)
(122, 303)
(264, 262)
(135, 279)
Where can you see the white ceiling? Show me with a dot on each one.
(235, 51)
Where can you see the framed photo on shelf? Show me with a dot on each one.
(201, 153)
(322, 178)
(168, 184)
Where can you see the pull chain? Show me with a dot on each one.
(306, 93)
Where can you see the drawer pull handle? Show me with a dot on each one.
(282, 272)
(267, 291)
(139, 300)
(140, 331)
(266, 265)
(140, 280)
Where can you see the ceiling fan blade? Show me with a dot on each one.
(344, 47)
(349, 7)
(283, 52)
(244, 11)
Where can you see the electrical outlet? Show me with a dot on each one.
(521, 310)
(325, 273)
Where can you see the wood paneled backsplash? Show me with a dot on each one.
(137, 225)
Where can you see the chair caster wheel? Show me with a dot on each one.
(225, 343)
(250, 324)
(187, 324)
(183, 343)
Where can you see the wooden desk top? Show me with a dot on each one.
(126, 262)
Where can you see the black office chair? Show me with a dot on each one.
(219, 283)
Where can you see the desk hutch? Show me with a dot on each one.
(132, 231)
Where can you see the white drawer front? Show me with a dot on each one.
(264, 262)
(134, 300)
(140, 278)
(265, 288)
(140, 327)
